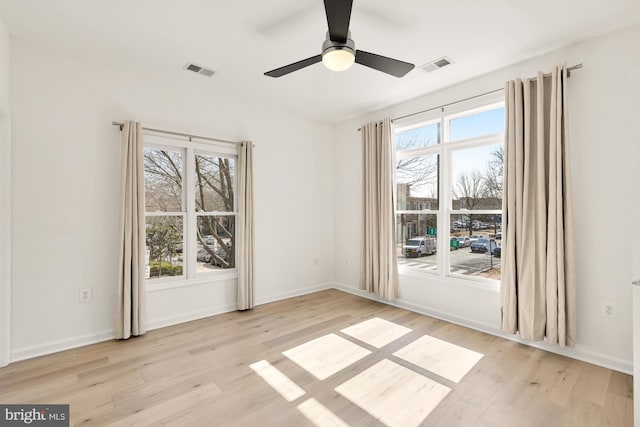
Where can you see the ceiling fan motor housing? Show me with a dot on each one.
(329, 45)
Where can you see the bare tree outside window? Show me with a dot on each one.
(162, 180)
(469, 190)
(417, 176)
(493, 174)
(419, 137)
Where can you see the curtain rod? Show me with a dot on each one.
(120, 125)
(569, 69)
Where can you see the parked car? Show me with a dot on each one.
(203, 255)
(463, 241)
(475, 237)
(499, 235)
(497, 251)
(483, 245)
(419, 246)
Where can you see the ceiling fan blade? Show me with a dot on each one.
(391, 66)
(279, 72)
(338, 17)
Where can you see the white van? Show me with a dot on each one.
(419, 246)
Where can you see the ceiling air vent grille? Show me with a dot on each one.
(200, 70)
(436, 65)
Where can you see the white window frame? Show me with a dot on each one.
(445, 151)
(189, 147)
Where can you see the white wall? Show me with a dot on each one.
(633, 112)
(600, 96)
(5, 199)
(65, 193)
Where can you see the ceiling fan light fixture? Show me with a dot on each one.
(338, 59)
(338, 56)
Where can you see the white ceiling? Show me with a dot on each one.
(243, 39)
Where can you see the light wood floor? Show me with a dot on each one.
(401, 369)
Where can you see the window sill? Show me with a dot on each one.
(468, 281)
(198, 281)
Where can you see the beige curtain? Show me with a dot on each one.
(378, 266)
(538, 275)
(131, 291)
(245, 296)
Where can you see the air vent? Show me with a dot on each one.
(436, 65)
(200, 70)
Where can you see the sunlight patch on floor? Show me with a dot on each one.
(319, 414)
(440, 357)
(327, 355)
(276, 379)
(376, 332)
(395, 395)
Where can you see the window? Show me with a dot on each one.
(449, 192)
(190, 208)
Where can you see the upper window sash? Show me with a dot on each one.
(164, 169)
(418, 136)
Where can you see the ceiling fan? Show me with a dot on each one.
(339, 51)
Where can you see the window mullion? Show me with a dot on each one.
(190, 207)
(445, 199)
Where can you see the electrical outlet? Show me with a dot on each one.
(609, 310)
(84, 295)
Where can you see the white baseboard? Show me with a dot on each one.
(605, 361)
(295, 293)
(60, 345)
(188, 317)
